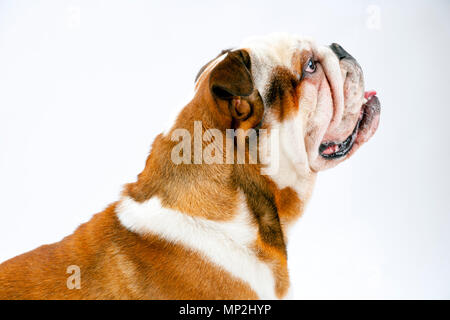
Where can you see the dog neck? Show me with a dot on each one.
(226, 197)
(212, 191)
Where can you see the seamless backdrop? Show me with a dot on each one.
(85, 86)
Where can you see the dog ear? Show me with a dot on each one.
(200, 72)
(231, 80)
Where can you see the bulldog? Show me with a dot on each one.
(203, 221)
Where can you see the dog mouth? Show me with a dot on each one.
(335, 150)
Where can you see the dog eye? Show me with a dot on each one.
(310, 66)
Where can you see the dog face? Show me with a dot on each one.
(313, 95)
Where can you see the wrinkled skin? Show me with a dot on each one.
(331, 104)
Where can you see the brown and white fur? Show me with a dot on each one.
(215, 231)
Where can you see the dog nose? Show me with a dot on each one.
(340, 52)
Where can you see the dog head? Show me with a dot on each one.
(313, 95)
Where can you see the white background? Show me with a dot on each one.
(86, 85)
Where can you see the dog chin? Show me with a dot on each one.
(331, 153)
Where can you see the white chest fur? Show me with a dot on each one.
(226, 244)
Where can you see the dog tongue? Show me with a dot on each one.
(369, 94)
(331, 149)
